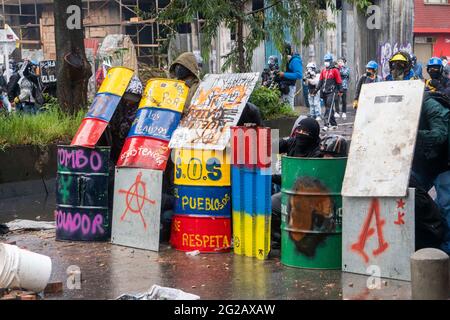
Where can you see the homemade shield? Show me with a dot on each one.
(137, 208)
(379, 232)
(217, 104)
(383, 140)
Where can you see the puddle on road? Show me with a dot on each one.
(28, 207)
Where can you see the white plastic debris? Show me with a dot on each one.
(193, 253)
(19, 224)
(160, 293)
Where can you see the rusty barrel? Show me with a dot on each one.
(202, 206)
(311, 221)
(82, 194)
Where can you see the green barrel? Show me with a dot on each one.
(311, 221)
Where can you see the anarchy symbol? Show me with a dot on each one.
(135, 198)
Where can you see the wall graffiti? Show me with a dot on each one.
(217, 105)
(386, 51)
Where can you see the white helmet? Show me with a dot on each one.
(311, 65)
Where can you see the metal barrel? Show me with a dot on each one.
(144, 152)
(311, 221)
(89, 132)
(154, 123)
(202, 201)
(103, 107)
(116, 81)
(251, 191)
(82, 212)
(167, 94)
(210, 235)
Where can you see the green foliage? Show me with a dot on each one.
(50, 125)
(273, 20)
(270, 104)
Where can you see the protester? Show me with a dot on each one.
(446, 66)
(345, 76)
(286, 80)
(438, 82)
(311, 81)
(186, 68)
(430, 158)
(400, 66)
(6, 105)
(369, 77)
(330, 86)
(29, 99)
(333, 146)
(417, 67)
(268, 75)
(305, 143)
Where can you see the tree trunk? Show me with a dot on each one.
(240, 45)
(73, 69)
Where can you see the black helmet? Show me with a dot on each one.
(334, 145)
(287, 48)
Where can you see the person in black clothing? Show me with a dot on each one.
(369, 77)
(305, 143)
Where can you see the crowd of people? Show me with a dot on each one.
(23, 92)
(431, 159)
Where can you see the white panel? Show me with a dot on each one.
(378, 233)
(137, 208)
(217, 105)
(383, 139)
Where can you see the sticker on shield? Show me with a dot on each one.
(155, 123)
(103, 106)
(89, 132)
(137, 208)
(143, 152)
(207, 201)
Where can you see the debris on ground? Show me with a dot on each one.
(54, 287)
(20, 224)
(160, 293)
(17, 295)
(193, 253)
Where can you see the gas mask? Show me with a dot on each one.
(434, 73)
(327, 64)
(398, 70)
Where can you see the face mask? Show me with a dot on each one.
(181, 72)
(434, 74)
(326, 64)
(397, 74)
(369, 74)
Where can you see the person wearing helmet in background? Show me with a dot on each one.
(400, 67)
(437, 82)
(268, 74)
(186, 68)
(287, 80)
(30, 97)
(334, 146)
(417, 67)
(330, 87)
(430, 158)
(446, 71)
(369, 77)
(311, 81)
(345, 76)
